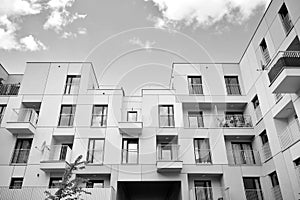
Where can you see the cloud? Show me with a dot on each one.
(82, 31)
(31, 44)
(137, 41)
(19, 7)
(59, 15)
(203, 12)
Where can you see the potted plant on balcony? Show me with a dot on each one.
(70, 188)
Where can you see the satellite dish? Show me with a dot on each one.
(43, 146)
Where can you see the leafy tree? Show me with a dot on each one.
(69, 188)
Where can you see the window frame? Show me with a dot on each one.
(51, 184)
(71, 115)
(229, 86)
(103, 116)
(70, 84)
(285, 20)
(191, 84)
(136, 115)
(171, 117)
(15, 160)
(127, 151)
(12, 182)
(93, 151)
(199, 116)
(265, 51)
(197, 151)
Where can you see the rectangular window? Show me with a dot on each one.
(252, 188)
(195, 119)
(72, 84)
(131, 116)
(203, 190)
(95, 151)
(99, 116)
(202, 150)
(264, 137)
(243, 153)
(67, 114)
(21, 151)
(195, 85)
(274, 179)
(130, 151)
(166, 116)
(55, 182)
(95, 184)
(2, 110)
(232, 85)
(297, 167)
(285, 19)
(265, 51)
(255, 102)
(16, 183)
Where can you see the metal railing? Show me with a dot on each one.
(203, 156)
(266, 151)
(290, 135)
(130, 156)
(276, 193)
(39, 193)
(196, 89)
(278, 97)
(287, 23)
(169, 152)
(209, 193)
(233, 89)
(95, 156)
(234, 120)
(55, 153)
(24, 115)
(9, 89)
(243, 157)
(254, 194)
(20, 156)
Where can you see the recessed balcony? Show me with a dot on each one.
(131, 128)
(55, 158)
(23, 121)
(284, 74)
(168, 158)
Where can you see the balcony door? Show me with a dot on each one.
(243, 153)
(203, 190)
(64, 151)
(252, 188)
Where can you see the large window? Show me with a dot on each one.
(243, 153)
(252, 188)
(285, 19)
(203, 190)
(275, 186)
(67, 114)
(232, 85)
(95, 151)
(202, 150)
(21, 151)
(265, 51)
(195, 119)
(16, 183)
(99, 116)
(2, 110)
(72, 84)
(195, 85)
(166, 116)
(55, 182)
(130, 151)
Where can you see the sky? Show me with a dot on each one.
(126, 39)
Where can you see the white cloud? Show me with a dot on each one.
(203, 12)
(20, 7)
(68, 35)
(60, 16)
(82, 31)
(31, 44)
(137, 41)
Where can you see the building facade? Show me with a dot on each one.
(221, 131)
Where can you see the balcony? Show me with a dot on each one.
(254, 194)
(290, 135)
(267, 154)
(39, 193)
(55, 158)
(9, 89)
(276, 193)
(168, 158)
(243, 157)
(209, 193)
(284, 74)
(23, 121)
(131, 128)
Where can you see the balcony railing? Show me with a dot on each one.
(287, 23)
(233, 89)
(243, 157)
(130, 156)
(290, 134)
(209, 193)
(20, 156)
(39, 193)
(56, 153)
(281, 60)
(234, 120)
(254, 194)
(168, 152)
(203, 156)
(276, 193)
(266, 151)
(278, 97)
(25, 115)
(196, 89)
(9, 89)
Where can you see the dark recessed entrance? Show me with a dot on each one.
(167, 190)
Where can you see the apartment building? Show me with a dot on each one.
(221, 131)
